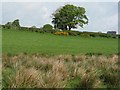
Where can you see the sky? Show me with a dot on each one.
(103, 16)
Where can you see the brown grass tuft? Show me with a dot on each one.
(28, 71)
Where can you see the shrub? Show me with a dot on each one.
(15, 23)
(118, 36)
(24, 28)
(73, 33)
(85, 35)
(41, 31)
(92, 35)
(56, 29)
(61, 33)
(8, 25)
(103, 35)
(3, 26)
(36, 30)
(47, 28)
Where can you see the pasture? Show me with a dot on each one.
(16, 41)
(25, 66)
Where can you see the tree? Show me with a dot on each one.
(8, 25)
(15, 23)
(69, 16)
(48, 27)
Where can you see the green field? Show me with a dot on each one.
(15, 41)
(58, 71)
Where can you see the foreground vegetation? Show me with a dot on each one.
(35, 58)
(57, 57)
(61, 71)
(16, 41)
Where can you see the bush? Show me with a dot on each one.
(73, 33)
(118, 36)
(24, 28)
(8, 25)
(15, 23)
(41, 31)
(94, 34)
(61, 33)
(3, 26)
(85, 35)
(47, 28)
(104, 35)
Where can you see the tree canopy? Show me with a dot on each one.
(48, 26)
(16, 23)
(69, 16)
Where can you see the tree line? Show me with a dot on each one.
(64, 19)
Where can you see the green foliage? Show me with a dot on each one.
(73, 33)
(85, 35)
(69, 16)
(15, 23)
(73, 83)
(41, 31)
(118, 36)
(47, 27)
(8, 74)
(8, 25)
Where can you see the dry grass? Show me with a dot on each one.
(80, 71)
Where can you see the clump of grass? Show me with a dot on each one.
(25, 78)
(71, 71)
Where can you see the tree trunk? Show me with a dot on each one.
(69, 27)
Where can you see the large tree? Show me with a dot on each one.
(69, 16)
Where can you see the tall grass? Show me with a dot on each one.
(62, 71)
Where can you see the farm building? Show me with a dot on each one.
(111, 32)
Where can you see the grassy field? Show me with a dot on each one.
(15, 41)
(24, 66)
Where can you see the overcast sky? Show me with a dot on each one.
(103, 16)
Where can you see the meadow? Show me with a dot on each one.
(44, 60)
(16, 41)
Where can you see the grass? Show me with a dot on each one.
(15, 42)
(74, 61)
(61, 71)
